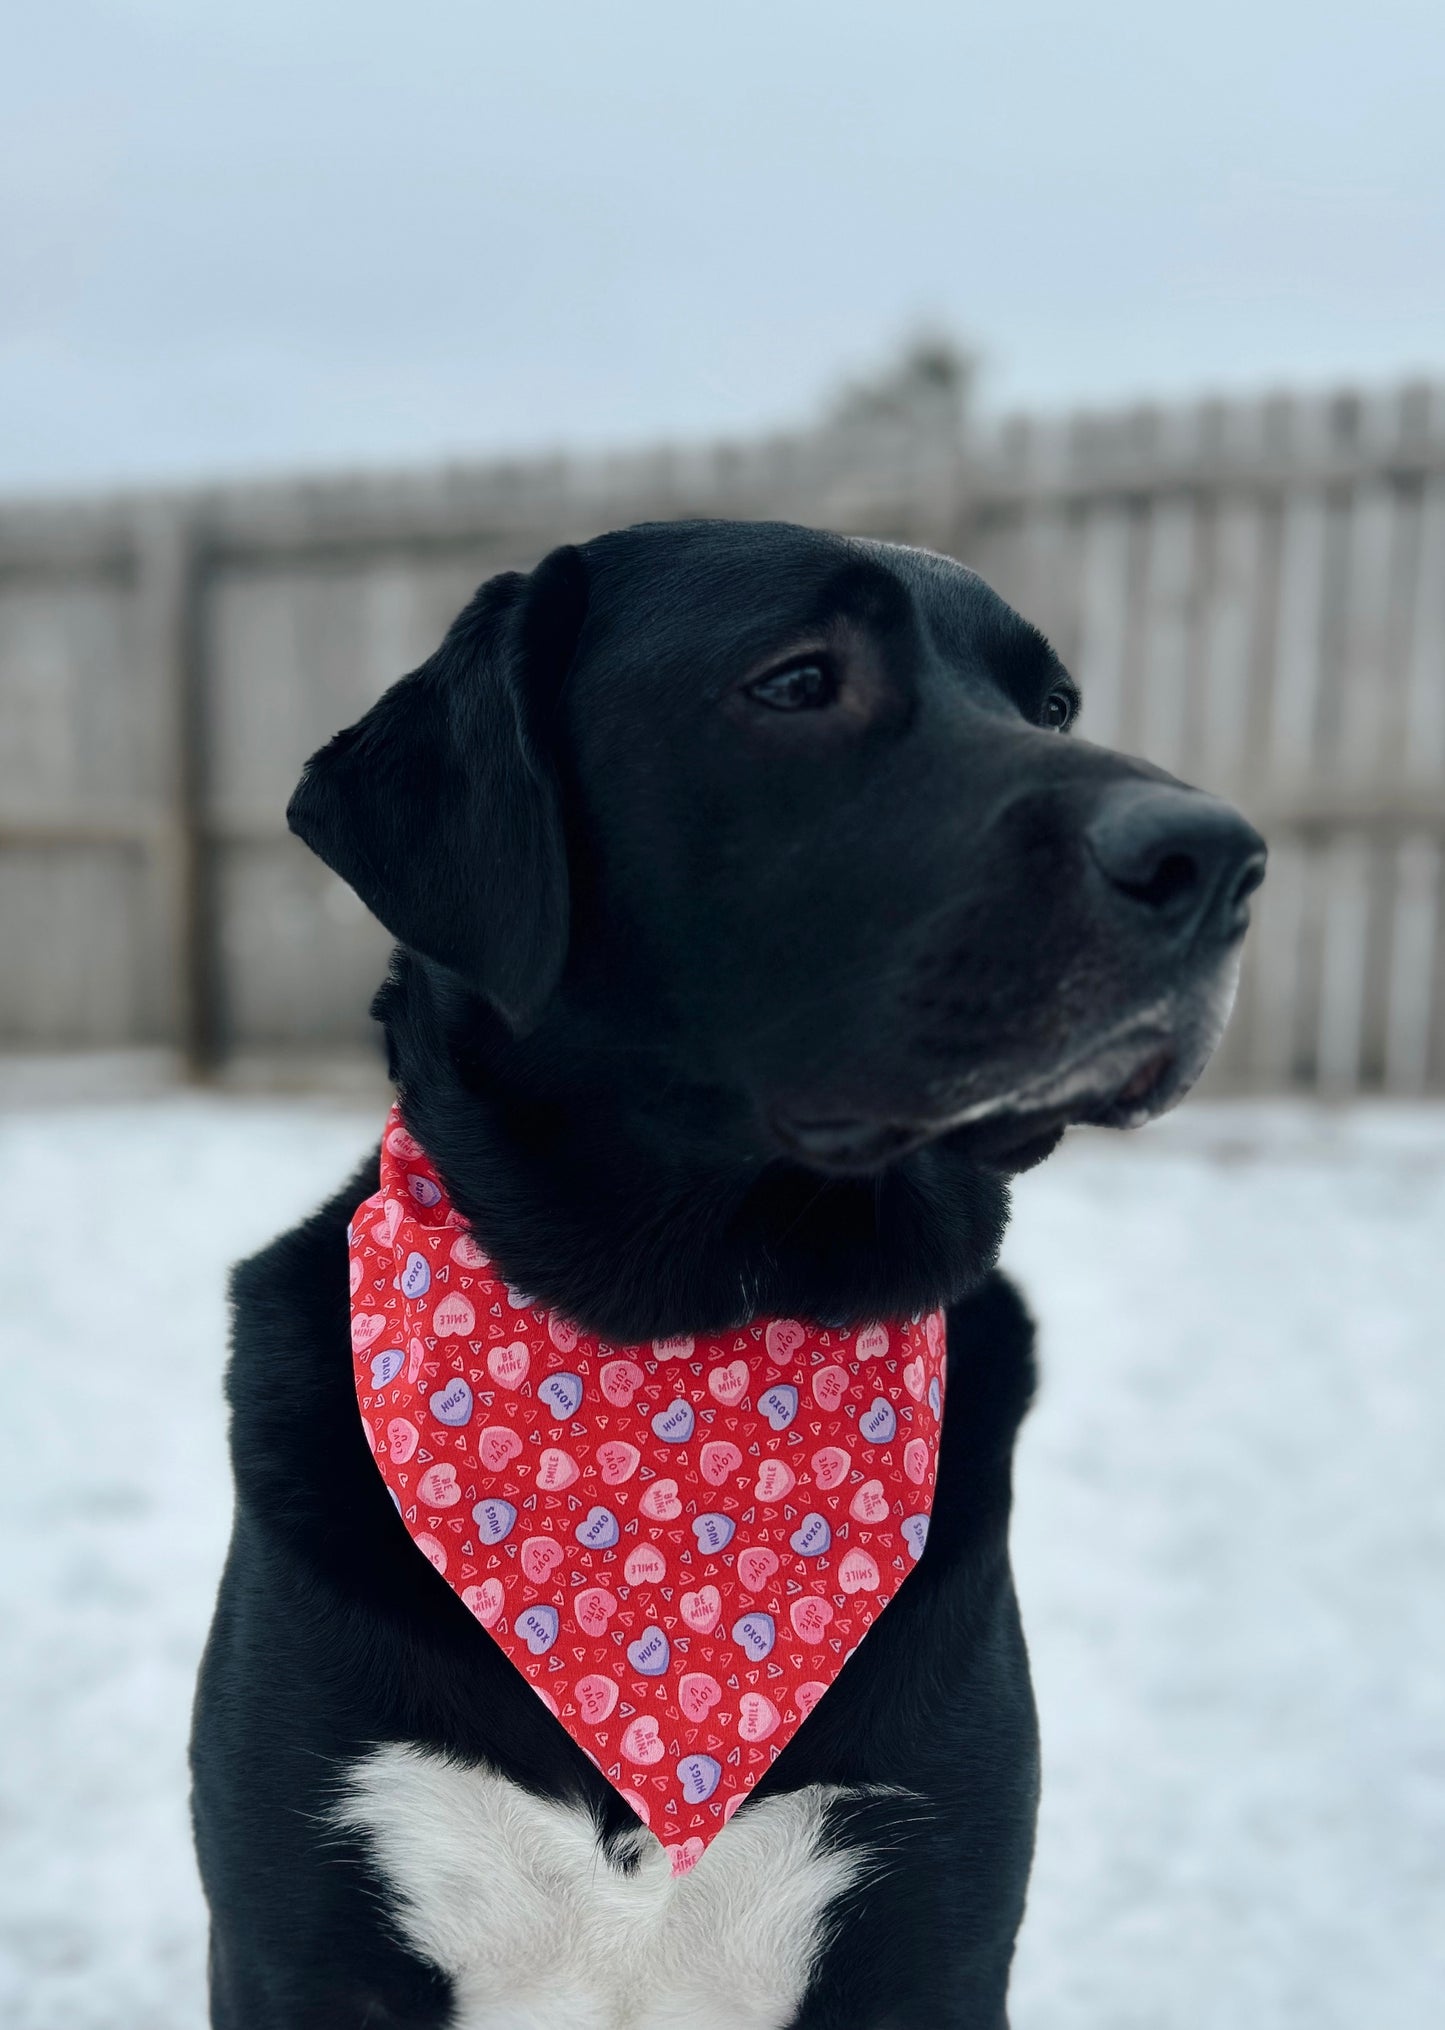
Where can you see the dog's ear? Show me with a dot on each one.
(440, 807)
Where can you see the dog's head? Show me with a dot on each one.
(800, 820)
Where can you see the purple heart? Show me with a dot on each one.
(494, 1519)
(757, 1633)
(416, 1276)
(453, 1404)
(649, 1654)
(914, 1531)
(598, 1529)
(385, 1365)
(878, 1423)
(812, 1536)
(561, 1393)
(674, 1424)
(699, 1776)
(713, 1532)
(935, 1398)
(422, 1189)
(779, 1405)
(539, 1626)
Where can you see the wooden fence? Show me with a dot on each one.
(1251, 593)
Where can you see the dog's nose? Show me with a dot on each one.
(1187, 859)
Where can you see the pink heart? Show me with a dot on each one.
(914, 1379)
(661, 1502)
(540, 1558)
(679, 1347)
(496, 1446)
(810, 1617)
(857, 1573)
(508, 1365)
(870, 1504)
(728, 1384)
(438, 1488)
(783, 1338)
(697, 1694)
(915, 1461)
(806, 1697)
(366, 1328)
(454, 1317)
(701, 1610)
(431, 1550)
(621, 1379)
(830, 1385)
(403, 1145)
(468, 1253)
(872, 1341)
(757, 1717)
(384, 1231)
(356, 1275)
(831, 1467)
(645, 1566)
(618, 1460)
(641, 1741)
(684, 1854)
(933, 1332)
(756, 1565)
(775, 1480)
(415, 1355)
(562, 1333)
(486, 1601)
(402, 1439)
(556, 1469)
(594, 1609)
(596, 1698)
(719, 1461)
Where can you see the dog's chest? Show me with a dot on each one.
(512, 1897)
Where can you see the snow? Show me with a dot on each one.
(1229, 1538)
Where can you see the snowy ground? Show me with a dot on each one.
(1230, 1541)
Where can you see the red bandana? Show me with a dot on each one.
(678, 1544)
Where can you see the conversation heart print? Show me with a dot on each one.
(678, 1544)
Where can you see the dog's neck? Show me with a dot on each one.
(630, 1198)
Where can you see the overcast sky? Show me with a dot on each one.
(282, 233)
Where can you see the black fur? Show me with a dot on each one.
(689, 995)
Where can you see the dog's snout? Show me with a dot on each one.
(1188, 860)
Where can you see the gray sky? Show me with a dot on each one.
(289, 234)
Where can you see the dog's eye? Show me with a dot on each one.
(803, 687)
(1060, 708)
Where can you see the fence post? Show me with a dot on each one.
(168, 567)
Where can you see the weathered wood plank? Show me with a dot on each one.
(1107, 543)
(1423, 740)
(1413, 1005)
(1167, 632)
(72, 972)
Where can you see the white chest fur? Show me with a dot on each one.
(511, 1896)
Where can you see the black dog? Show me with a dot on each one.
(755, 922)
